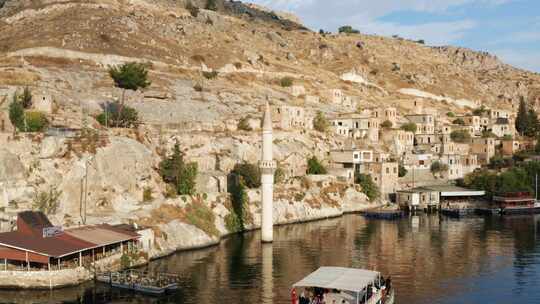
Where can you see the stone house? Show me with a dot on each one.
(417, 198)
(383, 114)
(399, 141)
(384, 175)
(43, 103)
(418, 161)
(484, 148)
(356, 126)
(350, 158)
(312, 99)
(472, 121)
(495, 114)
(289, 117)
(294, 165)
(425, 123)
(336, 96)
(502, 127)
(512, 146)
(298, 90)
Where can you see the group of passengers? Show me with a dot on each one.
(328, 296)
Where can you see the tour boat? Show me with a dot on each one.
(343, 286)
(517, 203)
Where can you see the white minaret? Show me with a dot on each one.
(268, 166)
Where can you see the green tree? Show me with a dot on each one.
(320, 123)
(459, 121)
(174, 170)
(387, 124)
(402, 171)
(438, 167)
(248, 174)
(16, 114)
(480, 111)
(347, 29)
(243, 124)
(211, 5)
(450, 114)
(47, 201)
(369, 188)
(522, 120)
(129, 76)
(315, 167)
(410, 127)
(460, 136)
(532, 123)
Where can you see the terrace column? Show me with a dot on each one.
(80, 258)
(27, 263)
(5, 264)
(93, 258)
(58, 264)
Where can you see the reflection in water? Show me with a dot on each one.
(430, 259)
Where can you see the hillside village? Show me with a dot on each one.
(369, 110)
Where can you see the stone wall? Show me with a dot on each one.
(44, 279)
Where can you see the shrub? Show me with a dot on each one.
(117, 116)
(193, 10)
(459, 121)
(315, 167)
(487, 134)
(243, 124)
(130, 76)
(47, 201)
(409, 127)
(421, 41)
(320, 123)
(210, 75)
(279, 175)
(369, 188)
(175, 171)
(147, 195)
(402, 171)
(239, 215)
(238, 65)
(479, 111)
(198, 88)
(211, 5)
(202, 217)
(347, 29)
(438, 167)
(460, 136)
(286, 82)
(198, 58)
(507, 137)
(450, 114)
(36, 121)
(387, 124)
(248, 174)
(16, 114)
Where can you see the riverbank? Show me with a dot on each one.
(208, 224)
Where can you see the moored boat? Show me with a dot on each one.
(343, 285)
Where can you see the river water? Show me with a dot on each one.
(431, 260)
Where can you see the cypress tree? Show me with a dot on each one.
(522, 120)
(532, 123)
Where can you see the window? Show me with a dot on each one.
(387, 170)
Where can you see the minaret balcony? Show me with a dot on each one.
(267, 164)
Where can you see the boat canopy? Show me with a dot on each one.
(340, 278)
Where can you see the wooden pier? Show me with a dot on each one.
(139, 281)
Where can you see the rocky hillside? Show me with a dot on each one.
(62, 49)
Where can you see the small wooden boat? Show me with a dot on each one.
(343, 285)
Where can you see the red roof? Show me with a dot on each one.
(67, 243)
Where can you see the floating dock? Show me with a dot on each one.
(138, 281)
(457, 213)
(383, 214)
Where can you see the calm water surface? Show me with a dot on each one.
(431, 260)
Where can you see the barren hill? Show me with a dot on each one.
(61, 49)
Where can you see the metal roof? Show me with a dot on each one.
(70, 242)
(340, 278)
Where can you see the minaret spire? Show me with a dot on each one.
(268, 167)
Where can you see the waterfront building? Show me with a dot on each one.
(432, 197)
(268, 167)
(38, 244)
